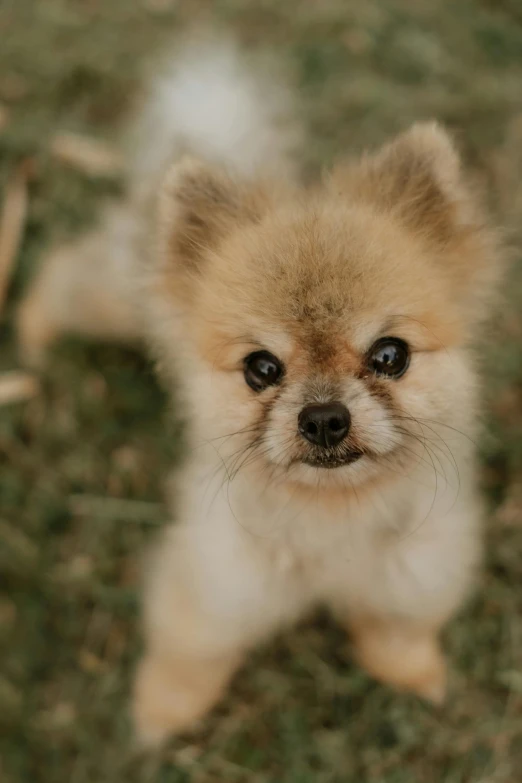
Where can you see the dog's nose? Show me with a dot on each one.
(324, 425)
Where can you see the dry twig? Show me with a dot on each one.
(17, 386)
(12, 222)
(91, 156)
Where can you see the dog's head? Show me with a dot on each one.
(325, 331)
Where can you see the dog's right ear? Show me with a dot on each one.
(199, 205)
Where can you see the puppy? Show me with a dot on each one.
(318, 340)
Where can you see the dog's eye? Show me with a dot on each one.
(389, 356)
(261, 370)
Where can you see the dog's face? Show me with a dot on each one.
(325, 331)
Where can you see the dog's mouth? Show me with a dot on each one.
(330, 460)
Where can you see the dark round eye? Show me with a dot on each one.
(261, 370)
(389, 356)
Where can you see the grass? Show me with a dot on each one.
(300, 712)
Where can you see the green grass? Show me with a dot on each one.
(300, 712)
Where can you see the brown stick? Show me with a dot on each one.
(17, 386)
(91, 156)
(12, 223)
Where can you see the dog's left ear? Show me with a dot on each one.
(417, 178)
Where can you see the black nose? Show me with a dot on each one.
(324, 425)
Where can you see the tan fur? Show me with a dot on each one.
(172, 694)
(392, 245)
(408, 658)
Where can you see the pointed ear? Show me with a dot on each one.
(198, 206)
(418, 177)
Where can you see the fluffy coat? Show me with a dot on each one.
(386, 529)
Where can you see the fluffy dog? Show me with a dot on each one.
(319, 340)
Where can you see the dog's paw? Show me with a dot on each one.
(405, 660)
(171, 697)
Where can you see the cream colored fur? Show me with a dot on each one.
(393, 244)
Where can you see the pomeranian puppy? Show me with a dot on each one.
(319, 341)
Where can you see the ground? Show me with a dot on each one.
(82, 464)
